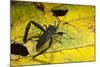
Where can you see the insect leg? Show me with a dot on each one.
(58, 22)
(57, 40)
(38, 26)
(28, 27)
(26, 32)
(44, 28)
(44, 49)
(34, 37)
(61, 34)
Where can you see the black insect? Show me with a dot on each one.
(43, 38)
(47, 35)
(59, 12)
(19, 49)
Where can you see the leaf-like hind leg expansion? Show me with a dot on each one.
(28, 27)
(50, 43)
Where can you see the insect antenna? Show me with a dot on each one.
(77, 19)
(68, 22)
